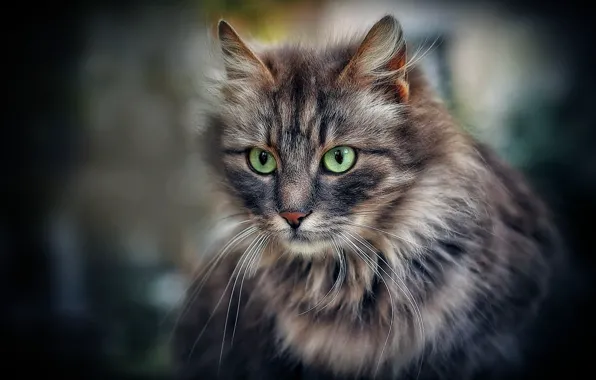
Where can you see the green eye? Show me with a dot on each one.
(261, 161)
(339, 159)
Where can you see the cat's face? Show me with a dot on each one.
(312, 157)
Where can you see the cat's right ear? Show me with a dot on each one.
(240, 62)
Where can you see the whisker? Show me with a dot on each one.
(229, 245)
(419, 48)
(404, 289)
(385, 232)
(184, 294)
(257, 254)
(366, 260)
(443, 255)
(342, 271)
(248, 255)
(242, 259)
(231, 216)
(416, 60)
(340, 278)
(210, 266)
(255, 266)
(334, 287)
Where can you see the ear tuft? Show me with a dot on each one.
(239, 60)
(380, 58)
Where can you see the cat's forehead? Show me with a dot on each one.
(313, 65)
(307, 106)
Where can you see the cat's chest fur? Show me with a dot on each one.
(297, 339)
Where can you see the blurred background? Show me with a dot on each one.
(105, 205)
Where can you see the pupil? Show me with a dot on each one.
(263, 157)
(339, 157)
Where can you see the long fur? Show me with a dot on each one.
(428, 259)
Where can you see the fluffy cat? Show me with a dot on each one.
(375, 238)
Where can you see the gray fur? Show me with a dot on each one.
(426, 259)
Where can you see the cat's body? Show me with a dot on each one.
(428, 258)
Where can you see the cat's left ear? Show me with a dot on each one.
(239, 60)
(380, 58)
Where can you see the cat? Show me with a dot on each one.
(376, 239)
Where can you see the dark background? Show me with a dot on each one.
(43, 142)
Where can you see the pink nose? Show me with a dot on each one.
(294, 218)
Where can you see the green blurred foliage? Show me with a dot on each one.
(265, 19)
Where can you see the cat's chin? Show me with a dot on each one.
(307, 248)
